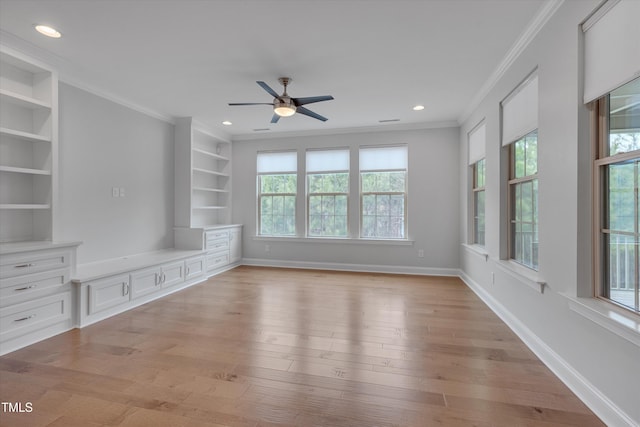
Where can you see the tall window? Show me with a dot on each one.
(327, 192)
(383, 192)
(520, 142)
(617, 211)
(523, 196)
(476, 161)
(277, 189)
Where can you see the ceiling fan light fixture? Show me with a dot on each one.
(283, 109)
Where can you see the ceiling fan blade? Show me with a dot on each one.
(266, 87)
(311, 99)
(250, 103)
(310, 113)
(275, 118)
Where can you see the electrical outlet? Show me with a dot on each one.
(420, 253)
(115, 192)
(493, 278)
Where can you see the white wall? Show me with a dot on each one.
(433, 205)
(105, 145)
(602, 367)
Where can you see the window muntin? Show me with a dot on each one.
(618, 205)
(327, 193)
(383, 192)
(479, 202)
(523, 200)
(277, 191)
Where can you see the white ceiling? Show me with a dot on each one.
(378, 58)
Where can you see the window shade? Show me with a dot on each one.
(611, 47)
(327, 160)
(477, 142)
(383, 158)
(274, 162)
(520, 111)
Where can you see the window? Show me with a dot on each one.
(523, 197)
(520, 142)
(476, 160)
(383, 192)
(277, 189)
(617, 212)
(327, 193)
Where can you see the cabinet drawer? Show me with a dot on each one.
(27, 317)
(107, 293)
(33, 262)
(218, 245)
(22, 288)
(216, 235)
(216, 260)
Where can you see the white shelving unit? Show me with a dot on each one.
(202, 177)
(28, 148)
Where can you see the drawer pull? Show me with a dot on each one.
(25, 288)
(24, 265)
(25, 318)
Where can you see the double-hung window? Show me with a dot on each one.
(617, 213)
(327, 192)
(277, 190)
(612, 90)
(520, 141)
(477, 163)
(383, 192)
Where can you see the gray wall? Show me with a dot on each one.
(105, 145)
(602, 367)
(433, 205)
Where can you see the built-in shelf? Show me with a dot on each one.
(24, 206)
(212, 190)
(209, 153)
(212, 172)
(22, 100)
(24, 170)
(24, 136)
(209, 207)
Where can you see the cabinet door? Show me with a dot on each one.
(145, 281)
(107, 293)
(235, 245)
(33, 262)
(172, 274)
(194, 267)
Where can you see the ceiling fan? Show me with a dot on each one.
(284, 105)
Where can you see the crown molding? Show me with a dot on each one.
(546, 11)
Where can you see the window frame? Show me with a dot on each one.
(475, 190)
(260, 195)
(323, 194)
(512, 183)
(384, 193)
(601, 161)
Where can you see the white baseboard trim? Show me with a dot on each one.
(603, 407)
(367, 268)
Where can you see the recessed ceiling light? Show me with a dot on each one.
(418, 108)
(227, 123)
(48, 31)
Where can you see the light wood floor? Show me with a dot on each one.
(276, 347)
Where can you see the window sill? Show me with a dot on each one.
(522, 274)
(334, 240)
(477, 250)
(615, 319)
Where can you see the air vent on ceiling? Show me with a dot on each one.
(261, 129)
(388, 120)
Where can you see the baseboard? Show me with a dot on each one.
(337, 266)
(603, 407)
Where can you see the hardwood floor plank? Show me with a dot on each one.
(265, 347)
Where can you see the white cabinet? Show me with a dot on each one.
(28, 148)
(235, 244)
(35, 292)
(108, 293)
(202, 176)
(194, 267)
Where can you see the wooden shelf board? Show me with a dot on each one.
(27, 171)
(25, 136)
(209, 153)
(9, 206)
(22, 100)
(210, 172)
